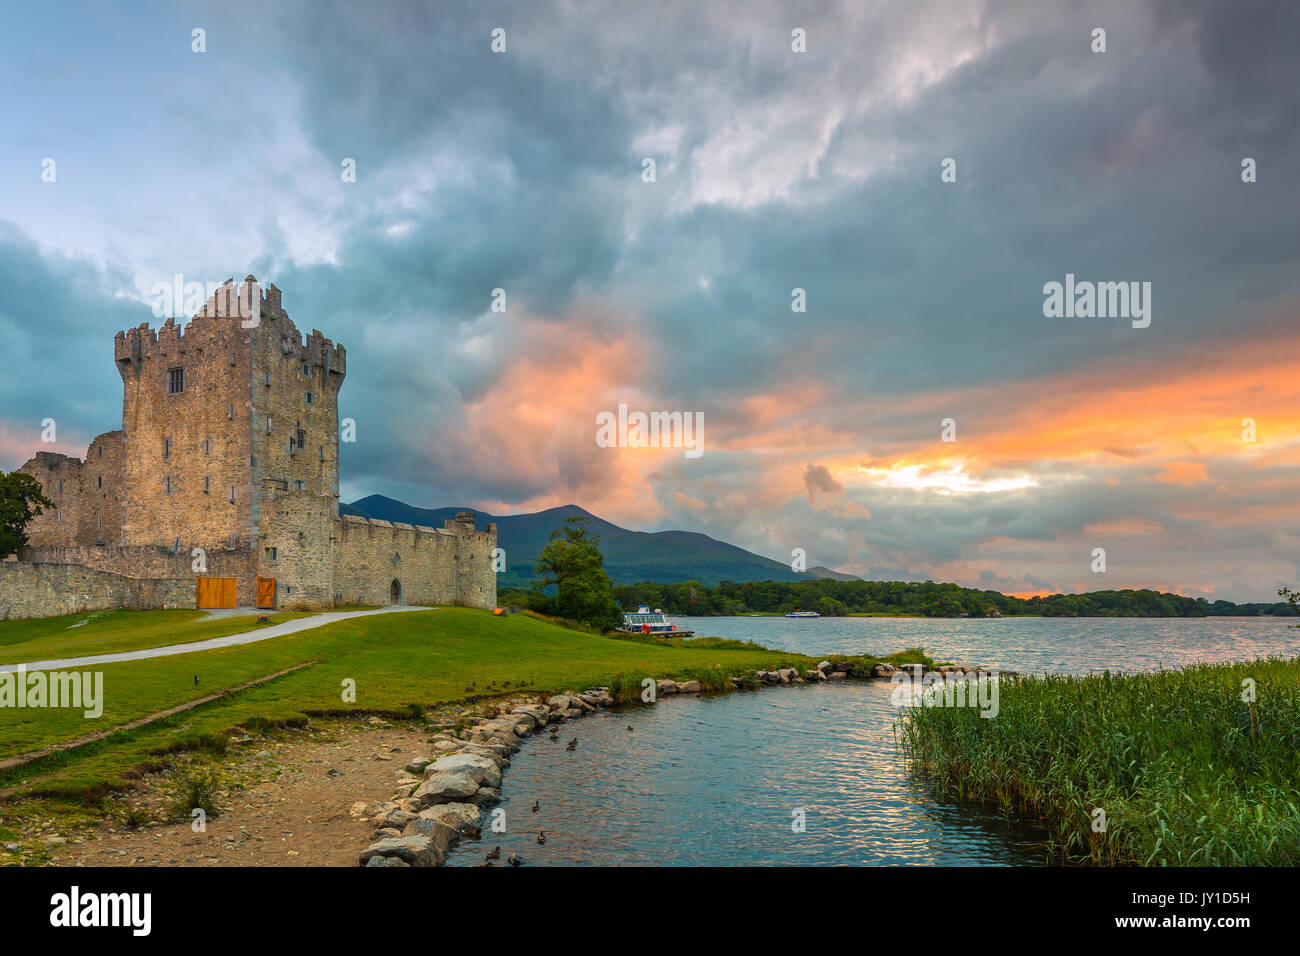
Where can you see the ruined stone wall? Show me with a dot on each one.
(449, 565)
(369, 555)
(151, 561)
(60, 478)
(47, 590)
(87, 495)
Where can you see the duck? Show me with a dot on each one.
(629, 726)
(537, 805)
(573, 744)
(541, 837)
(495, 854)
(473, 832)
(514, 859)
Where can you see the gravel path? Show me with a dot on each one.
(230, 640)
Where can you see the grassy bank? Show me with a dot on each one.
(1186, 771)
(420, 658)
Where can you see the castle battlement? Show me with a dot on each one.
(228, 317)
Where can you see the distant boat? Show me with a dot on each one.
(803, 614)
(645, 621)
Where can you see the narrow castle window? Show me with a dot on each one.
(310, 399)
(268, 424)
(232, 501)
(272, 554)
(175, 381)
(167, 447)
(266, 377)
(300, 485)
(305, 369)
(207, 484)
(60, 486)
(101, 481)
(230, 410)
(207, 446)
(167, 485)
(322, 452)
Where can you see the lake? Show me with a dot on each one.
(718, 780)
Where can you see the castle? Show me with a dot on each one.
(221, 489)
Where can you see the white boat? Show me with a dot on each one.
(645, 621)
(803, 614)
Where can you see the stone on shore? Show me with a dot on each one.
(445, 788)
(482, 770)
(883, 670)
(413, 851)
(688, 687)
(486, 797)
(417, 765)
(666, 687)
(459, 816)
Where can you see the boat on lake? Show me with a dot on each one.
(803, 614)
(645, 621)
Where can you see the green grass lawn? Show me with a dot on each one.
(424, 657)
(1187, 772)
(106, 632)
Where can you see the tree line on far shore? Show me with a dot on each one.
(571, 583)
(922, 599)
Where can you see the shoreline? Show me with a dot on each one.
(443, 798)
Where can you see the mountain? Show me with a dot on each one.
(822, 572)
(631, 557)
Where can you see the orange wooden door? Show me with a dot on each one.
(215, 592)
(266, 592)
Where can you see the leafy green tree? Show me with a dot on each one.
(572, 563)
(21, 500)
(1292, 598)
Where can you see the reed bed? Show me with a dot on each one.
(1187, 768)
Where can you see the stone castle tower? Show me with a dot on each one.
(227, 467)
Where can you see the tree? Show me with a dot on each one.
(1292, 598)
(21, 500)
(573, 564)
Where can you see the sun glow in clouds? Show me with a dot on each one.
(951, 480)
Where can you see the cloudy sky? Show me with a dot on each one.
(775, 170)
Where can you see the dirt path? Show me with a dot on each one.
(293, 812)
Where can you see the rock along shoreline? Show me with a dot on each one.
(439, 799)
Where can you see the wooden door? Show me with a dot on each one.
(266, 592)
(215, 592)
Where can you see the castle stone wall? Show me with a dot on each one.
(48, 590)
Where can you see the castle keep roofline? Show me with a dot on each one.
(221, 317)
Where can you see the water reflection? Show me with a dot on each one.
(715, 780)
